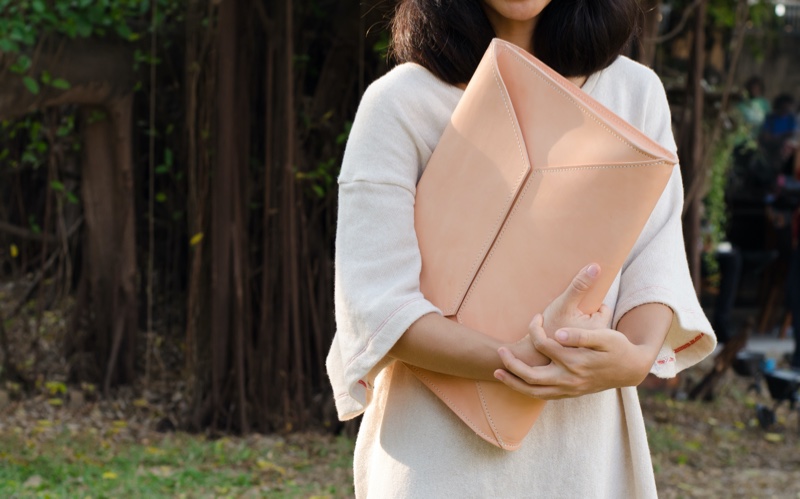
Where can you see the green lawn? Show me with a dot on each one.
(699, 450)
(45, 462)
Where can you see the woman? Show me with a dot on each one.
(590, 439)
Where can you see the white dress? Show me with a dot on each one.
(410, 444)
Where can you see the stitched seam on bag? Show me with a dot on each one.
(500, 218)
(589, 104)
(567, 169)
(449, 402)
(499, 237)
(504, 222)
(489, 415)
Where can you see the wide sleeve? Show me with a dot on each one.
(377, 262)
(657, 270)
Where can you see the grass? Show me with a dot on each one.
(699, 449)
(88, 464)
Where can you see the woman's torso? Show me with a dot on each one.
(411, 445)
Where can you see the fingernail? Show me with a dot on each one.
(593, 270)
(561, 335)
(498, 375)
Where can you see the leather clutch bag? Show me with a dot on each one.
(531, 180)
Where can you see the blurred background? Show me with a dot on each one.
(167, 217)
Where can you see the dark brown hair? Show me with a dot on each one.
(449, 37)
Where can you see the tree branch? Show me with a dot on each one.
(96, 71)
(26, 233)
(699, 186)
(679, 28)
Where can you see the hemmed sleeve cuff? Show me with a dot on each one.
(353, 391)
(690, 338)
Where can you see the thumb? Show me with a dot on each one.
(581, 284)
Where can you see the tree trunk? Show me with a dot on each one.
(100, 77)
(651, 17)
(230, 295)
(109, 256)
(200, 96)
(692, 166)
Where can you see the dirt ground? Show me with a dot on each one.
(699, 449)
(718, 449)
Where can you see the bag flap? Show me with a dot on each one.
(468, 188)
(563, 126)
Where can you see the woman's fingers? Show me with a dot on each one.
(603, 316)
(564, 311)
(545, 345)
(580, 285)
(514, 365)
(541, 390)
(593, 339)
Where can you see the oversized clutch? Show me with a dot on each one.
(531, 180)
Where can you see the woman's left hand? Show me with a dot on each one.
(583, 361)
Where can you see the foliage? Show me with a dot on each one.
(722, 13)
(28, 143)
(24, 24)
(716, 208)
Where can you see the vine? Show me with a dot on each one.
(25, 24)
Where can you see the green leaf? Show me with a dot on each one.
(31, 84)
(124, 31)
(46, 77)
(72, 198)
(22, 64)
(161, 197)
(162, 169)
(7, 45)
(57, 186)
(29, 157)
(83, 28)
(61, 84)
(35, 228)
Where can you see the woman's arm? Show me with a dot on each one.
(442, 345)
(646, 326)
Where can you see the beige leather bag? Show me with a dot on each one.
(531, 180)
